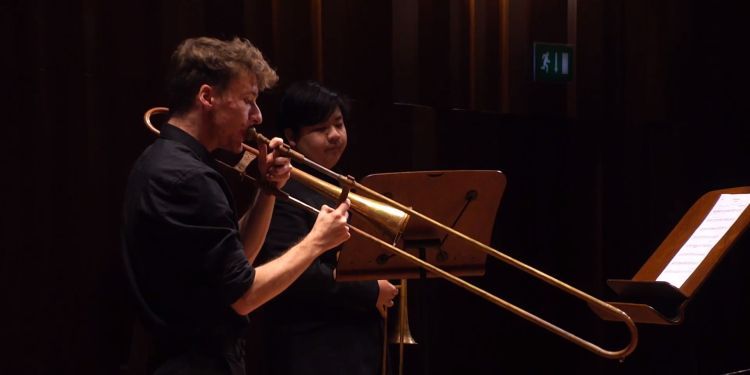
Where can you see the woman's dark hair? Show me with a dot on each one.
(308, 103)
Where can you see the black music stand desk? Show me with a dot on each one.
(467, 201)
(664, 285)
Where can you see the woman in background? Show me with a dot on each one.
(319, 325)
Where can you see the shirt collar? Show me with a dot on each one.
(174, 133)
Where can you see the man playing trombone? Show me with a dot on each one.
(187, 254)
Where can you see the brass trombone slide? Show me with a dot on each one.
(349, 183)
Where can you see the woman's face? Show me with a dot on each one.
(324, 142)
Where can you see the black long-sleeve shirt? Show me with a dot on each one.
(181, 244)
(318, 325)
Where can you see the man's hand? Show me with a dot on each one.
(274, 168)
(387, 292)
(331, 228)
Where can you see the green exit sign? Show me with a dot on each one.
(553, 62)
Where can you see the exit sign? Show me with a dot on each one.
(553, 62)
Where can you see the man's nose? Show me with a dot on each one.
(256, 116)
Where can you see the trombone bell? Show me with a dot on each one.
(388, 219)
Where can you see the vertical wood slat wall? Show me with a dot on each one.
(582, 204)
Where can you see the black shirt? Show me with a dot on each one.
(318, 325)
(182, 246)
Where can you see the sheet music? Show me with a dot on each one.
(722, 216)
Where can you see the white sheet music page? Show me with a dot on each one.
(722, 216)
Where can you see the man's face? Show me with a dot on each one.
(235, 111)
(324, 142)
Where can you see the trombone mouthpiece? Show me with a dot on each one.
(252, 135)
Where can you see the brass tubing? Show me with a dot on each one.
(389, 220)
(616, 313)
(617, 354)
(538, 274)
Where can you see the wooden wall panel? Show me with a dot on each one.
(292, 41)
(405, 49)
(357, 55)
(662, 76)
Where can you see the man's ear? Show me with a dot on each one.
(289, 135)
(206, 96)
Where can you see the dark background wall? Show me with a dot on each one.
(599, 169)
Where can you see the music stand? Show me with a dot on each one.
(464, 200)
(661, 289)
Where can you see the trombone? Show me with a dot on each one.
(392, 216)
(401, 334)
